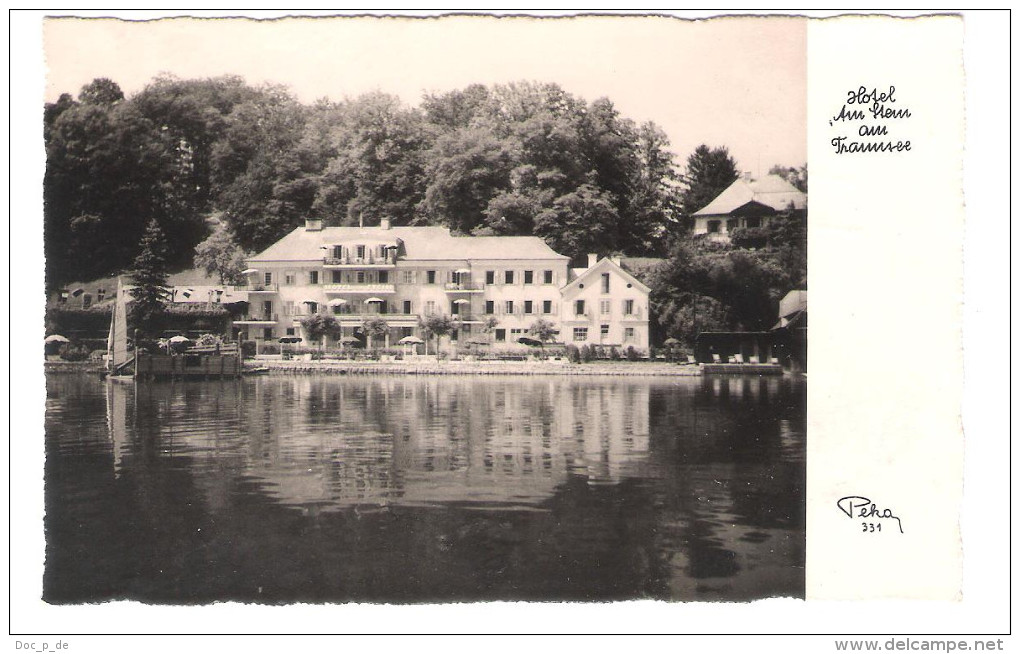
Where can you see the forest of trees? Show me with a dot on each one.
(228, 168)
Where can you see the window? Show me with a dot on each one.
(406, 331)
(579, 308)
(713, 226)
(337, 310)
(547, 277)
(359, 277)
(580, 333)
(509, 307)
(529, 276)
(63, 296)
(268, 278)
(407, 309)
(454, 308)
(100, 294)
(516, 332)
(508, 277)
(267, 333)
(313, 307)
(267, 309)
(430, 307)
(546, 306)
(313, 277)
(754, 222)
(605, 282)
(490, 307)
(731, 224)
(604, 307)
(360, 251)
(288, 278)
(628, 307)
(290, 331)
(529, 307)
(288, 308)
(86, 301)
(604, 330)
(500, 335)
(408, 276)
(430, 277)
(628, 334)
(384, 277)
(338, 251)
(490, 277)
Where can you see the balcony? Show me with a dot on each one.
(256, 288)
(587, 316)
(464, 287)
(360, 288)
(258, 319)
(392, 319)
(371, 261)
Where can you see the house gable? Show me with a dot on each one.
(603, 265)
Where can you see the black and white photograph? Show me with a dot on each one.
(388, 310)
(495, 322)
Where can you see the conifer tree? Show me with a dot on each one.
(149, 276)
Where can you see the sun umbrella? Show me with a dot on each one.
(337, 302)
(411, 340)
(373, 299)
(530, 342)
(671, 341)
(179, 339)
(462, 301)
(348, 340)
(57, 338)
(462, 271)
(290, 339)
(249, 271)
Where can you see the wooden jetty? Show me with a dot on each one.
(193, 364)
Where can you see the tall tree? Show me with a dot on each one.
(579, 223)
(221, 256)
(149, 276)
(709, 172)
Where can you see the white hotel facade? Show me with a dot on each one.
(401, 274)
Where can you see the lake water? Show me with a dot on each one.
(411, 489)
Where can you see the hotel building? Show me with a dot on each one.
(494, 288)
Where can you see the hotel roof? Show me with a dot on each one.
(418, 244)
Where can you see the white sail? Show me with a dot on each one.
(118, 328)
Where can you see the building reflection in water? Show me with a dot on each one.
(403, 488)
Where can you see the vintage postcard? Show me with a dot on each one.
(349, 312)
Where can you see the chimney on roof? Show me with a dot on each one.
(313, 225)
(384, 223)
(592, 259)
(747, 175)
(615, 259)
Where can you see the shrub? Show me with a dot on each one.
(614, 354)
(632, 354)
(75, 351)
(209, 340)
(587, 353)
(573, 354)
(652, 353)
(270, 348)
(248, 349)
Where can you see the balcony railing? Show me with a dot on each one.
(256, 288)
(465, 287)
(359, 288)
(370, 260)
(258, 318)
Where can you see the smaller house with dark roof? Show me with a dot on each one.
(748, 202)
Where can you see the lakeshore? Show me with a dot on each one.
(276, 366)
